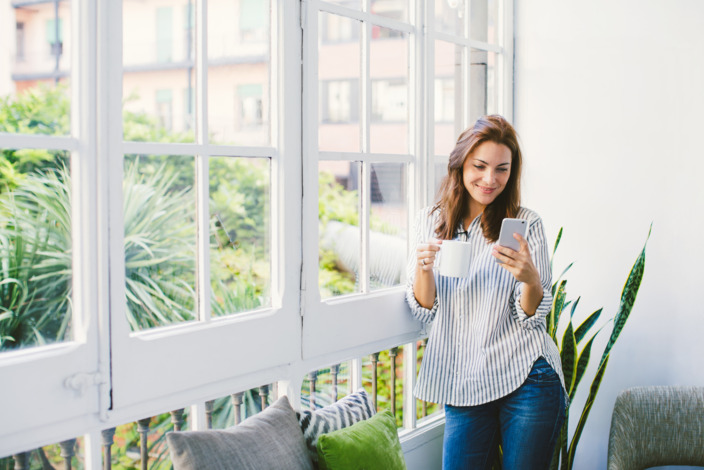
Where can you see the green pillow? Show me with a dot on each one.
(370, 444)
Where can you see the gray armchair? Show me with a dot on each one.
(654, 426)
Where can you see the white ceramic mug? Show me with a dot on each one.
(454, 258)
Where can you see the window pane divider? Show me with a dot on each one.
(460, 41)
(34, 141)
(190, 149)
(359, 15)
(367, 157)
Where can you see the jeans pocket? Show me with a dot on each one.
(542, 372)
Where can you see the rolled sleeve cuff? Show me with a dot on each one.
(420, 313)
(538, 318)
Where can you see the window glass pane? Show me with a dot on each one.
(240, 261)
(352, 4)
(160, 240)
(158, 81)
(388, 225)
(448, 95)
(35, 68)
(483, 89)
(35, 248)
(440, 173)
(484, 20)
(450, 16)
(389, 130)
(340, 236)
(339, 74)
(239, 72)
(396, 9)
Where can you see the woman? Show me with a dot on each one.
(489, 359)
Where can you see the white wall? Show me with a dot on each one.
(609, 103)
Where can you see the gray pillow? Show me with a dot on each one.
(268, 440)
(347, 411)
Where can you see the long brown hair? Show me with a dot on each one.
(453, 204)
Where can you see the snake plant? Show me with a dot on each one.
(576, 348)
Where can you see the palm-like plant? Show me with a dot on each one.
(35, 261)
(159, 247)
(575, 359)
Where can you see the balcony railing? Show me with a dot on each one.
(142, 443)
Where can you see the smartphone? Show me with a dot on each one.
(508, 228)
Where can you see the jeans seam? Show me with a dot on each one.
(491, 450)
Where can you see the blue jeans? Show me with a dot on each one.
(526, 423)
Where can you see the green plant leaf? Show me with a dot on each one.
(594, 389)
(586, 325)
(558, 305)
(568, 355)
(582, 364)
(628, 298)
(557, 243)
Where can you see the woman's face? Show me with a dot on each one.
(486, 172)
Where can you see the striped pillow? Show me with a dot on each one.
(344, 412)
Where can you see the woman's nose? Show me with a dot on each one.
(489, 176)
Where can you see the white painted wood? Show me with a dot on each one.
(211, 352)
(37, 375)
(35, 141)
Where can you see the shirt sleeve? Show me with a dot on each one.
(538, 245)
(425, 315)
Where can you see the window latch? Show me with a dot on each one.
(79, 382)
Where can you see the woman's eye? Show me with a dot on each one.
(503, 170)
(478, 167)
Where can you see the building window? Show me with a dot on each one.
(339, 101)
(389, 100)
(336, 29)
(54, 36)
(189, 31)
(19, 41)
(164, 34)
(254, 15)
(164, 109)
(251, 107)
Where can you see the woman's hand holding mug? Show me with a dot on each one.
(426, 252)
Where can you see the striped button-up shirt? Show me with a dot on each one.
(481, 344)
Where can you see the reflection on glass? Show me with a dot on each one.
(483, 88)
(339, 75)
(449, 104)
(240, 263)
(396, 9)
(239, 81)
(158, 81)
(160, 240)
(388, 68)
(35, 248)
(339, 231)
(35, 72)
(388, 225)
(450, 16)
(484, 20)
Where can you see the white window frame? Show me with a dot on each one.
(206, 351)
(62, 389)
(200, 361)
